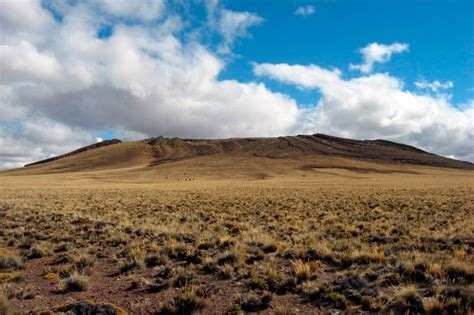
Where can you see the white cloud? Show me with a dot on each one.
(305, 10)
(37, 139)
(146, 10)
(24, 18)
(9, 111)
(233, 25)
(378, 106)
(144, 80)
(302, 76)
(377, 53)
(230, 25)
(434, 86)
(22, 61)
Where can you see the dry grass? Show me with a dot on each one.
(189, 300)
(75, 282)
(377, 243)
(5, 304)
(304, 270)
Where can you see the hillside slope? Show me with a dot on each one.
(281, 153)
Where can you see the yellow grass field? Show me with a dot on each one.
(232, 236)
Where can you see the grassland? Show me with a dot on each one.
(319, 241)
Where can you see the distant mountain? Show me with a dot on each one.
(304, 151)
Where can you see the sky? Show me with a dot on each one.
(76, 72)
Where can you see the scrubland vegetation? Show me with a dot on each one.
(279, 248)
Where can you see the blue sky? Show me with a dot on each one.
(75, 72)
(440, 35)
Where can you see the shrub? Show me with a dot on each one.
(318, 251)
(127, 264)
(10, 262)
(304, 270)
(117, 238)
(406, 299)
(209, 265)
(433, 306)
(62, 247)
(458, 299)
(87, 307)
(226, 271)
(39, 250)
(234, 309)
(189, 300)
(367, 257)
(257, 282)
(164, 272)
(182, 278)
(134, 260)
(460, 271)
(346, 258)
(255, 301)
(310, 289)
(227, 258)
(324, 293)
(436, 270)
(83, 261)
(75, 282)
(155, 259)
(254, 254)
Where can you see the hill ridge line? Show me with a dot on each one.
(159, 150)
(77, 151)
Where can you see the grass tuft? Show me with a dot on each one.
(76, 282)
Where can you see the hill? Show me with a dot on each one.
(256, 157)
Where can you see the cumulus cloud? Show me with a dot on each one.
(305, 10)
(303, 76)
(233, 25)
(36, 139)
(434, 86)
(146, 10)
(144, 80)
(377, 53)
(24, 19)
(378, 106)
(22, 60)
(230, 25)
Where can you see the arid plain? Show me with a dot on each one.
(129, 228)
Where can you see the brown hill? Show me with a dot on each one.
(240, 156)
(83, 149)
